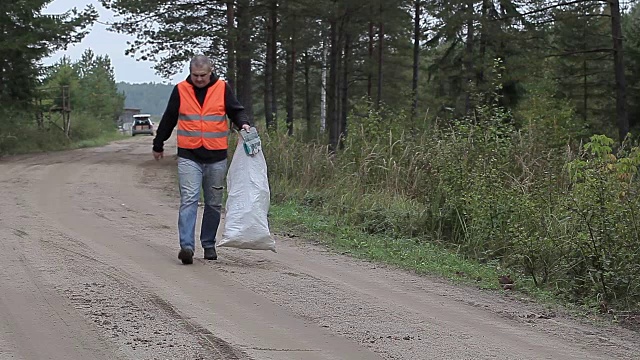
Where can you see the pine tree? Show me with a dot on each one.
(28, 37)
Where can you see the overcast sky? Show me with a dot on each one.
(104, 42)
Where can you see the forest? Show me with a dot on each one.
(503, 131)
(66, 105)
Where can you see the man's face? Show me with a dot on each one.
(201, 76)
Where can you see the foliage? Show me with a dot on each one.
(21, 138)
(486, 188)
(94, 101)
(99, 93)
(548, 119)
(91, 83)
(408, 253)
(28, 37)
(584, 64)
(169, 33)
(603, 202)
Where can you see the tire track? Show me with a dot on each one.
(141, 324)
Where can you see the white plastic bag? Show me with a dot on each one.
(246, 225)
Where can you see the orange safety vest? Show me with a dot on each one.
(204, 125)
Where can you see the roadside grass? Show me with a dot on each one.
(36, 142)
(421, 257)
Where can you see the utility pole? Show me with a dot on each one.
(66, 110)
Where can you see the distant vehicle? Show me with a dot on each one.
(142, 124)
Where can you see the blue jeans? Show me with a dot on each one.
(192, 177)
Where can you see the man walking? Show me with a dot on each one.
(199, 106)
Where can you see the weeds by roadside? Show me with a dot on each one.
(291, 219)
(560, 217)
(23, 138)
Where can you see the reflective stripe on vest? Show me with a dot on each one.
(202, 125)
(196, 117)
(214, 135)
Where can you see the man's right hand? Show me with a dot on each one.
(158, 155)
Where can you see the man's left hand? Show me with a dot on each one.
(246, 127)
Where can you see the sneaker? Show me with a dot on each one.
(210, 253)
(186, 255)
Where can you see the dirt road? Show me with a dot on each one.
(89, 271)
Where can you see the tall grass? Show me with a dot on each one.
(564, 219)
(18, 136)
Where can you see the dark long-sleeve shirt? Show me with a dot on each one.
(234, 109)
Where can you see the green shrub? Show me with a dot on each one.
(487, 187)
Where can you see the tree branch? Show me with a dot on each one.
(543, 9)
(580, 52)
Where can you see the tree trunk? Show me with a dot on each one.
(2, 65)
(468, 58)
(332, 116)
(307, 94)
(323, 87)
(338, 110)
(274, 57)
(231, 70)
(269, 67)
(344, 108)
(66, 110)
(618, 62)
(585, 93)
(244, 58)
(380, 57)
(291, 68)
(370, 67)
(39, 113)
(585, 77)
(483, 43)
(416, 58)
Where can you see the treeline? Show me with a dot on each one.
(311, 62)
(150, 98)
(52, 107)
(88, 86)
